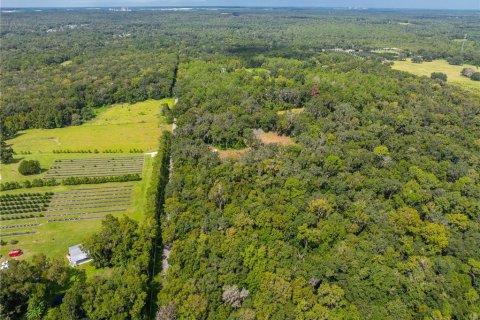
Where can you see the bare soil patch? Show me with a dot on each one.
(272, 138)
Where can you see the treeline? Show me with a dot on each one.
(372, 214)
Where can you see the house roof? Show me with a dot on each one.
(76, 253)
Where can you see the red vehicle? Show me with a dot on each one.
(15, 253)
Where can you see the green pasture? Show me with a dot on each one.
(452, 72)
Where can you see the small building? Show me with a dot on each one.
(77, 256)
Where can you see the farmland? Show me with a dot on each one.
(95, 167)
(49, 219)
(62, 216)
(452, 72)
(121, 128)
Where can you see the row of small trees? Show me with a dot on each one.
(67, 181)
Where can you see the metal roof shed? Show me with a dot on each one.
(77, 256)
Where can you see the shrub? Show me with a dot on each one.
(475, 76)
(417, 59)
(28, 167)
(439, 76)
(13, 242)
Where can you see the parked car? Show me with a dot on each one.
(15, 253)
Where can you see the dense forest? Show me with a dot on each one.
(58, 65)
(371, 211)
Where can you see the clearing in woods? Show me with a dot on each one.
(452, 72)
(230, 154)
(120, 126)
(273, 138)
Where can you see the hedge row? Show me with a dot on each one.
(68, 181)
(28, 184)
(95, 180)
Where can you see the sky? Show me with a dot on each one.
(426, 4)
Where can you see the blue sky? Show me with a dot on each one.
(430, 4)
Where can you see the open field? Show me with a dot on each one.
(120, 126)
(141, 112)
(116, 136)
(452, 72)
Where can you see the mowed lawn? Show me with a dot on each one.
(452, 72)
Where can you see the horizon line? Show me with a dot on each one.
(239, 7)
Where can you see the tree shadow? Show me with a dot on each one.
(16, 135)
(15, 160)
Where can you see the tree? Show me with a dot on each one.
(115, 244)
(28, 167)
(381, 151)
(234, 296)
(475, 76)
(6, 152)
(435, 236)
(166, 312)
(321, 207)
(28, 286)
(439, 76)
(456, 60)
(417, 59)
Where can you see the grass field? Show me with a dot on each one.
(121, 126)
(452, 72)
